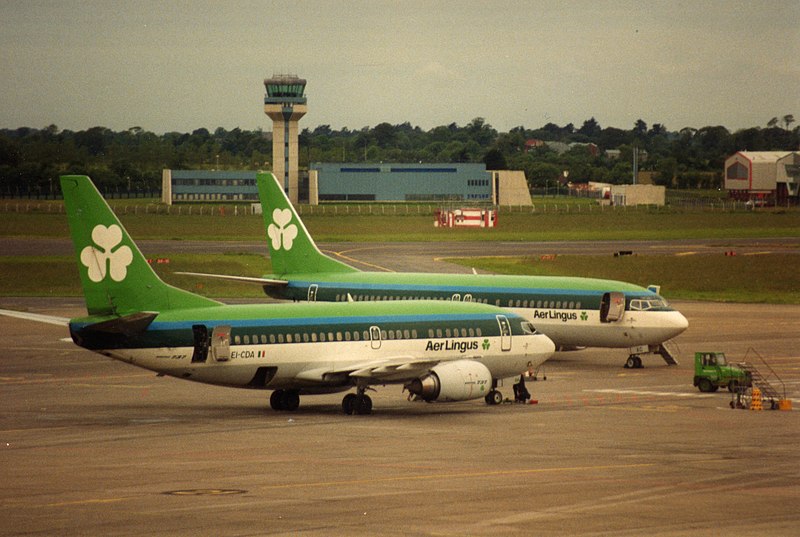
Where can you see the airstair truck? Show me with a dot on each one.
(712, 370)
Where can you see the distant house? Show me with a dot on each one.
(560, 147)
(763, 176)
(629, 195)
(533, 143)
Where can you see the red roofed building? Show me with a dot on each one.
(763, 176)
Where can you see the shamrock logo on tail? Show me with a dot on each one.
(103, 260)
(280, 231)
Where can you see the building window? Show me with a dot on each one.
(737, 170)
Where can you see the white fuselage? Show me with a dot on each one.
(576, 328)
(313, 366)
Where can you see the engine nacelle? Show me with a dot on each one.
(453, 381)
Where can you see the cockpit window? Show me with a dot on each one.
(528, 328)
(648, 304)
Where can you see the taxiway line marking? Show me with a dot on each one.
(648, 392)
(459, 475)
(354, 260)
(7, 381)
(87, 502)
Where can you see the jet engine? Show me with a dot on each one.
(453, 381)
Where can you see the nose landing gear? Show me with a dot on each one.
(633, 362)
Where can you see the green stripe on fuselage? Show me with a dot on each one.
(482, 287)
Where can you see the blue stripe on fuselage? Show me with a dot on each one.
(344, 286)
(519, 293)
(316, 321)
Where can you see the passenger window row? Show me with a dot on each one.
(550, 304)
(511, 303)
(347, 335)
(374, 298)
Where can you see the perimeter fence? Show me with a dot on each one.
(547, 206)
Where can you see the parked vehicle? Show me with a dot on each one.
(712, 370)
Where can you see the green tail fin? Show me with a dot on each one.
(116, 277)
(290, 245)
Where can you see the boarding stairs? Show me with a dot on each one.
(668, 351)
(764, 378)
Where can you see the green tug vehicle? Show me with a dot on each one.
(712, 371)
(750, 387)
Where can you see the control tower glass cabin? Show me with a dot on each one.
(285, 104)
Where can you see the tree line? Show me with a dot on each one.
(131, 161)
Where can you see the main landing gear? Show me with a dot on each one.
(357, 403)
(284, 400)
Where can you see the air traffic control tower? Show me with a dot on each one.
(285, 104)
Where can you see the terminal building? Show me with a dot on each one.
(466, 183)
(187, 186)
(764, 177)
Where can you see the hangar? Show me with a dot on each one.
(463, 182)
(764, 177)
(402, 182)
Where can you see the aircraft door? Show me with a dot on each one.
(312, 292)
(200, 337)
(375, 337)
(612, 307)
(505, 332)
(221, 343)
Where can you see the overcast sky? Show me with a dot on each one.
(178, 66)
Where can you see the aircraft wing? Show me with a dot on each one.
(389, 369)
(49, 319)
(244, 279)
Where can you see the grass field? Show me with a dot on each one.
(58, 275)
(769, 278)
(772, 278)
(619, 224)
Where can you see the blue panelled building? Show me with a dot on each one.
(403, 182)
(467, 183)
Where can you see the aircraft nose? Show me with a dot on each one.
(678, 322)
(548, 347)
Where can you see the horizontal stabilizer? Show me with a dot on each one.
(244, 279)
(127, 325)
(49, 319)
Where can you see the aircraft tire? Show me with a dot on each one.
(276, 400)
(494, 397)
(349, 403)
(290, 400)
(363, 404)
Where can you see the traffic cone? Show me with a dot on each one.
(755, 401)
